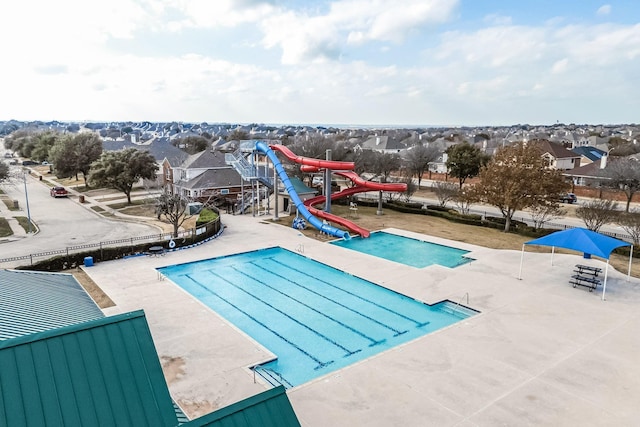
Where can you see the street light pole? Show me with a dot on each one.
(26, 195)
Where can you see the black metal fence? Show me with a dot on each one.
(71, 256)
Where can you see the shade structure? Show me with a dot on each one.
(582, 240)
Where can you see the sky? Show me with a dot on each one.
(341, 62)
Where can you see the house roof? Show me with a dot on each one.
(591, 153)
(205, 160)
(267, 409)
(102, 372)
(557, 150)
(214, 178)
(160, 148)
(590, 170)
(33, 301)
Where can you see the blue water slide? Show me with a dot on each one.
(302, 209)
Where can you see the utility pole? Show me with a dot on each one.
(26, 195)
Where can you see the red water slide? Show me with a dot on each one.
(343, 169)
(320, 164)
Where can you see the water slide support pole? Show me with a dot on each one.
(327, 184)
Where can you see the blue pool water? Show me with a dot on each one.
(314, 318)
(405, 250)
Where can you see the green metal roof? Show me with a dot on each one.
(102, 372)
(300, 187)
(33, 301)
(267, 409)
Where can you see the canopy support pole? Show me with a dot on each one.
(604, 285)
(630, 259)
(521, 259)
(553, 250)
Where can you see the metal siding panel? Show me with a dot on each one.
(115, 403)
(129, 379)
(12, 403)
(64, 386)
(89, 379)
(153, 373)
(46, 386)
(104, 373)
(34, 415)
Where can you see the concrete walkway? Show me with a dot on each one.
(539, 353)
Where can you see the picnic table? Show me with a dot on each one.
(156, 250)
(587, 270)
(586, 276)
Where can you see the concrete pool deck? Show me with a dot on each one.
(539, 353)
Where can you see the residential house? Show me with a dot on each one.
(160, 148)
(204, 175)
(557, 156)
(383, 144)
(589, 174)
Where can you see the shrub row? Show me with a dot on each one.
(63, 262)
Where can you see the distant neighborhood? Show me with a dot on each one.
(579, 150)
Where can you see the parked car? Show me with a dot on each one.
(29, 163)
(568, 198)
(59, 192)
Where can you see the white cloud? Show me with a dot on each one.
(560, 66)
(349, 57)
(604, 10)
(303, 37)
(496, 19)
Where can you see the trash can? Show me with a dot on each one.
(81, 198)
(88, 261)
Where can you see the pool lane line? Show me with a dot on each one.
(320, 363)
(418, 324)
(371, 319)
(344, 325)
(293, 319)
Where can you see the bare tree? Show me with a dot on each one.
(418, 159)
(445, 191)
(597, 213)
(630, 222)
(174, 208)
(543, 213)
(624, 174)
(411, 187)
(465, 198)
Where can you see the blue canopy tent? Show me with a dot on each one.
(582, 240)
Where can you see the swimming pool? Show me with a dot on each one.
(406, 250)
(314, 318)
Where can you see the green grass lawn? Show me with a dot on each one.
(24, 222)
(5, 229)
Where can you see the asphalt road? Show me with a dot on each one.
(62, 222)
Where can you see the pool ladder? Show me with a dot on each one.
(300, 248)
(272, 377)
(457, 306)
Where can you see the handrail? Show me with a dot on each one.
(273, 375)
(458, 304)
